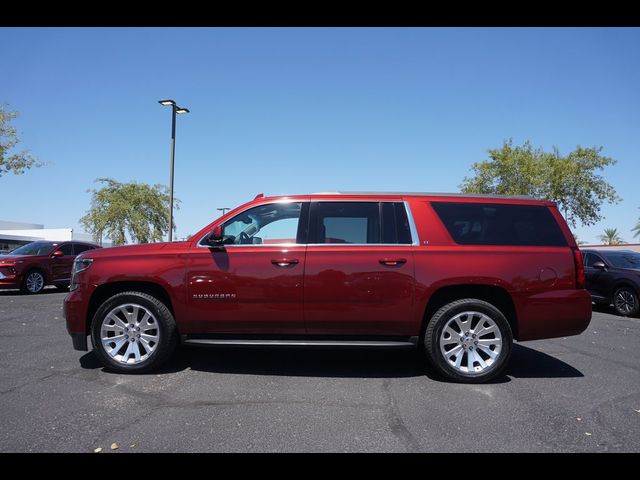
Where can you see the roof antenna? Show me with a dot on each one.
(260, 195)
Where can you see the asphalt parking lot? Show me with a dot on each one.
(575, 394)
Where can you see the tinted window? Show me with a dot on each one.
(624, 259)
(346, 222)
(499, 224)
(270, 223)
(67, 249)
(79, 248)
(395, 224)
(590, 259)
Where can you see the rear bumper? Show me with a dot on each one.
(552, 314)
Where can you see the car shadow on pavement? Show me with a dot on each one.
(529, 363)
(339, 363)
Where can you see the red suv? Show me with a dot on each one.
(33, 266)
(458, 276)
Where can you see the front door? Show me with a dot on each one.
(255, 284)
(359, 272)
(597, 281)
(61, 266)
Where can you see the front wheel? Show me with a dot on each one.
(133, 332)
(33, 282)
(625, 302)
(468, 341)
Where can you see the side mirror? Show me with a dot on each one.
(600, 266)
(215, 238)
(57, 254)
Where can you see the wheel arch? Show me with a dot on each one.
(497, 296)
(107, 290)
(623, 282)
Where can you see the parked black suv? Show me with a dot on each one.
(613, 277)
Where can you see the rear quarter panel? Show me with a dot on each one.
(539, 280)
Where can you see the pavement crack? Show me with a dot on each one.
(394, 419)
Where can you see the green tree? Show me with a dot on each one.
(18, 162)
(572, 181)
(611, 236)
(138, 209)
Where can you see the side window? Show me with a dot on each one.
(78, 248)
(591, 259)
(272, 223)
(395, 223)
(346, 222)
(67, 249)
(499, 224)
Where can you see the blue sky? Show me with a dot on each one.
(298, 110)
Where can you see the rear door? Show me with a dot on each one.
(359, 272)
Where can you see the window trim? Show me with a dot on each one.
(305, 215)
(412, 226)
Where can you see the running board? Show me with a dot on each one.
(410, 342)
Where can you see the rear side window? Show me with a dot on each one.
(67, 249)
(346, 222)
(500, 224)
(395, 224)
(79, 248)
(360, 223)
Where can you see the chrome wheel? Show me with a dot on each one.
(34, 282)
(129, 334)
(625, 301)
(471, 343)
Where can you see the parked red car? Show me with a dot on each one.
(35, 265)
(458, 276)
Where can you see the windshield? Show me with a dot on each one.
(34, 248)
(624, 259)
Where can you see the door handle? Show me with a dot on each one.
(393, 262)
(284, 262)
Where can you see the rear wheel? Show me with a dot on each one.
(625, 302)
(133, 332)
(468, 341)
(33, 282)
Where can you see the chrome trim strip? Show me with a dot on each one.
(360, 244)
(301, 343)
(412, 225)
(412, 228)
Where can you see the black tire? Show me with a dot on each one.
(434, 333)
(162, 316)
(26, 286)
(625, 302)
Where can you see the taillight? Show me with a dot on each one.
(579, 265)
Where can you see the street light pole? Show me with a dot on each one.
(224, 209)
(174, 110)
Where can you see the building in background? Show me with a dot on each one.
(14, 234)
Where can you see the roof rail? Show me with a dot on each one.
(432, 194)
